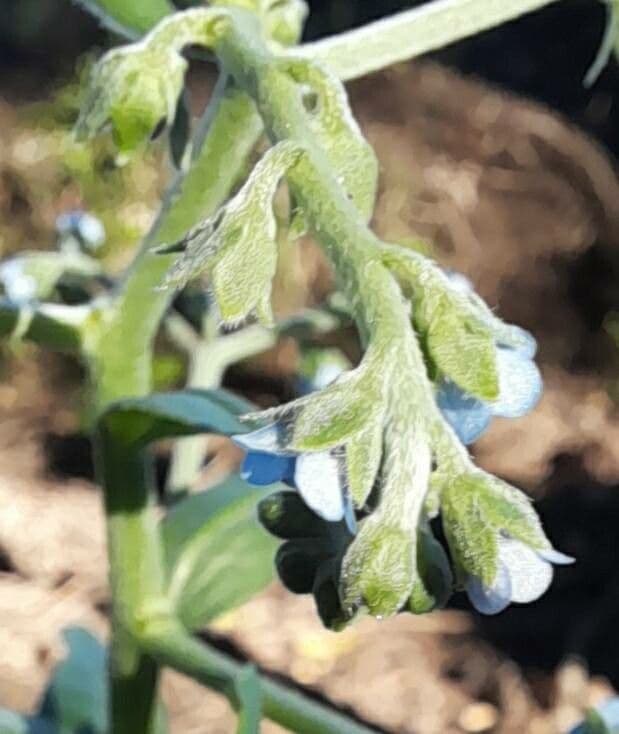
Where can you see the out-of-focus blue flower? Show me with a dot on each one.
(19, 286)
(520, 388)
(520, 384)
(318, 476)
(82, 226)
(523, 575)
(608, 713)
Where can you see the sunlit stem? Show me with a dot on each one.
(412, 33)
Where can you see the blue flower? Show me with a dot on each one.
(82, 226)
(520, 388)
(608, 713)
(319, 476)
(523, 575)
(19, 286)
(520, 383)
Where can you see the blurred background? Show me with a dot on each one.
(498, 156)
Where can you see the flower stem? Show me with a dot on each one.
(413, 33)
(171, 645)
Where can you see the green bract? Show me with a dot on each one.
(479, 508)
(134, 91)
(237, 248)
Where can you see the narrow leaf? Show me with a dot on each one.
(129, 19)
(182, 413)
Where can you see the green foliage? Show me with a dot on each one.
(139, 421)
(249, 695)
(217, 556)
(237, 247)
(128, 18)
(75, 701)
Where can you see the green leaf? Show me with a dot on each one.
(130, 19)
(76, 699)
(183, 413)
(217, 554)
(247, 686)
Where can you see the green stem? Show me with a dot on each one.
(209, 361)
(121, 362)
(136, 579)
(412, 33)
(122, 358)
(173, 646)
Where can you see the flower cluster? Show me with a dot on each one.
(499, 552)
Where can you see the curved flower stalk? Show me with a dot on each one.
(375, 440)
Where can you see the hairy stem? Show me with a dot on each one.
(412, 33)
(171, 645)
(121, 362)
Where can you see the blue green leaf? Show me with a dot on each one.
(183, 413)
(217, 555)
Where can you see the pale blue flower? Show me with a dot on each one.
(520, 382)
(19, 286)
(82, 226)
(608, 712)
(520, 388)
(523, 575)
(318, 476)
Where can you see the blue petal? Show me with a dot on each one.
(609, 711)
(263, 469)
(468, 416)
(319, 479)
(521, 341)
(490, 599)
(520, 384)
(529, 574)
(555, 557)
(265, 440)
(19, 286)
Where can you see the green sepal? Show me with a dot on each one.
(334, 415)
(463, 350)
(207, 535)
(378, 569)
(363, 457)
(473, 542)
(510, 511)
(434, 582)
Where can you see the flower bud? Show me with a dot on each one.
(134, 90)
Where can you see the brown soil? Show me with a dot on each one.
(526, 206)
